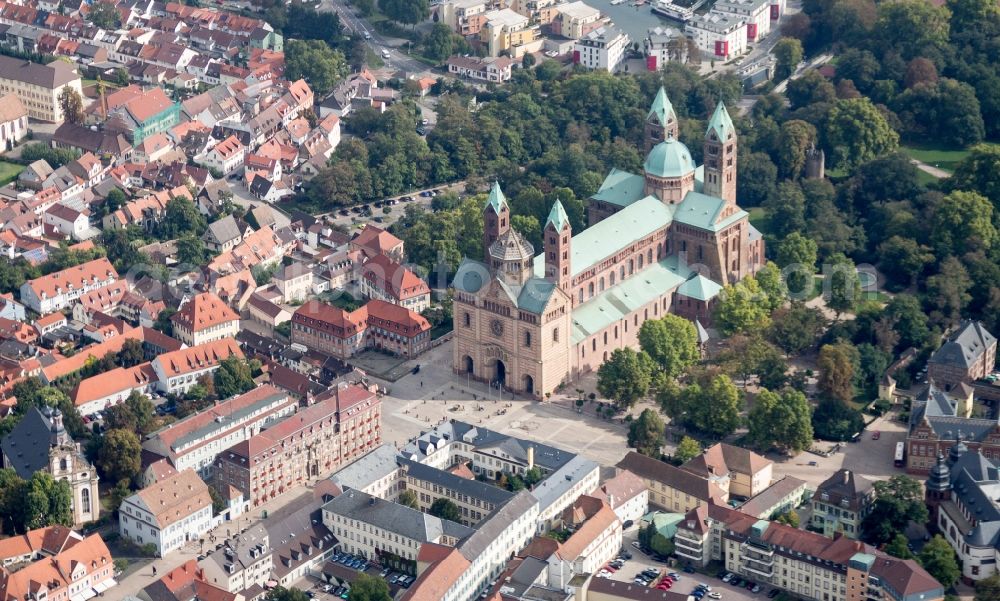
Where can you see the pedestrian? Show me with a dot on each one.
(154, 570)
(421, 383)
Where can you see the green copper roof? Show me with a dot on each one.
(703, 211)
(474, 277)
(610, 235)
(615, 303)
(557, 217)
(670, 158)
(621, 188)
(700, 288)
(662, 110)
(496, 199)
(721, 123)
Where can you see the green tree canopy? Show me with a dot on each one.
(796, 328)
(71, 104)
(788, 52)
(625, 377)
(898, 501)
(962, 221)
(837, 364)
(233, 377)
(315, 61)
(855, 131)
(119, 455)
(687, 449)
(367, 587)
(899, 547)
(938, 558)
(782, 420)
(408, 498)
(445, 509)
(988, 589)
(796, 255)
(645, 434)
(671, 341)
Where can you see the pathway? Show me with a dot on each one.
(930, 169)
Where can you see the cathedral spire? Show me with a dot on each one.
(661, 121)
(557, 217)
(721, 123)
(720, 156)
(557, 239)
(496, 200)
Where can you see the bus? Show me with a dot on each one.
(900, 454)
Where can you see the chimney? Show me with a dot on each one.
(847, 476)
(531, 457)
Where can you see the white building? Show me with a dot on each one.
(575, 19)
(603, 48)
(13, 121)
(168, 514)
(58, 290)
(663, 45)
(227, 156)
(178, 371)
(193, 442)
(756, 13)
(68, 221)
(718, 36)
(205, 318)
(107, 389)
(626, 494)
(485, 69)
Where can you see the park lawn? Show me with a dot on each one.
(926, 179)
(941, 158)
(760, 220)
(9, 172)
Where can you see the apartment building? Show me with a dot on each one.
(343, 334)
(38, 86)
(841, 503)
(626, 494)
(376, 473)
(177, 371)
(373, 241)
(294, 282)
(58, 290)
(375, 528)
(204, 318)
(167, 514)
(465, 17)
(193, 442)
(110, 388)
(302, 447)
(146, 112)
(79, 567)
(756, 13)
(496, 69)
(243, 563)
(386, 280)
(718, 36)
(804, 563)
(672, 488)
(740, 471)
(574, 20)
(227, 156)
(506, 31)
(474, 499)
(601, 49)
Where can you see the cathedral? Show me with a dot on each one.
(666, 240)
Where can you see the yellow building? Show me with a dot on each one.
(672, 488)
(38, 86)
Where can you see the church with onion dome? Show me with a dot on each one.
(665, 240)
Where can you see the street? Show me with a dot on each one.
(356, 24)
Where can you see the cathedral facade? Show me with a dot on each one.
(666, 240)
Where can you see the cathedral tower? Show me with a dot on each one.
(661, 122)
(938, 487)
(720, 156)
(557, 238)
(496, 219)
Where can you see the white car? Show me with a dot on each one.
(385, 53)
(368, 36)
(714, 595)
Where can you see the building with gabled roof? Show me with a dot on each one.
(841, 503)
(147, 112)
(968, 354)
(373, 241)
(177, 371)
(110, 388)
(378, 324)
(740, 471)
(168, 513)
(672, 488)
(58, 290)
(384, 279)
(204, 318)
(38, 86)
(84, 564)
(194, 442)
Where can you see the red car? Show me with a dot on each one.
(663, 586)
(876, 435)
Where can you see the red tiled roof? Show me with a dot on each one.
(204, 311)
(199, 357)
(385, 274)
(78, 276)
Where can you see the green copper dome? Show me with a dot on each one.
(669, 159)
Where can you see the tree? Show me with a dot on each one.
(946, 111)
(755, 178)
(45, 501)
(786, 209)
(409, 12)
(671, 341)
(445, 509)
(742, 307)
(796, 328)
(191, 251)
(181, 218)
(988, 589)
(645, 434)
(71, 105)
(439, 43)
(899, 547)
(938, 558)
(790, 518)
(781, 420)
(962, 221)
(843, 284)
(979, 172)
(837, 364)
(772, 285)
(948, 290)
(104, 15)
(796, 255)
(715, 409)
(687, 449)
(788, 52)
(903, 259)
(280, 593)
(233, 377)
(811, 88)
(119, 455)
(315, 61)
(408, 498)
(898, 501)
(795, 139)
(625, 377)
(661, 544)
(218, 503)
(912, 27)
(855, 131)
(920, 71)
(833, 420)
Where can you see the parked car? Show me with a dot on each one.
(755, 589)
(876, 435)
(715, 595)
(627, 524)
(774, 593)
(688, 570)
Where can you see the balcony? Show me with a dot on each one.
(757, 558)
(690, 539)
(690, 546)
(688, 554)
(756, 549)
(760, 571)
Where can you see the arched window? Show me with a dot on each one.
(85, 500)
(527, 339)
(631, 267)
(63, 464)
(621, 272)
(590, 290)
(611, 279)
(581, 295)
(640, 261)
(601, 284)
(468, 320)
(649, 256)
